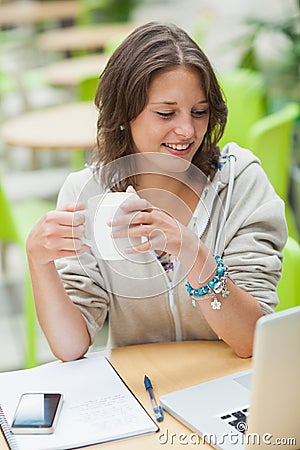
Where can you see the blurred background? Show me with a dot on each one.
(51, 55)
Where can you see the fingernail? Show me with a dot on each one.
(129, 250)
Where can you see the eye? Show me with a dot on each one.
(200, 112)
(164, 115)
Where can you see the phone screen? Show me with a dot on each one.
(36, 413)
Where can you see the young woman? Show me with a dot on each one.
(210, 227)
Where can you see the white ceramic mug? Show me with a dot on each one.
(100, 209)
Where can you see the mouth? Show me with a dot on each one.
(178, 149)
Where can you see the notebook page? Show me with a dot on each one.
(98, 407)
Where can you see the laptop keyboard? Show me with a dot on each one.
(237, 419)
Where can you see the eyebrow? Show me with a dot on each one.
(165, 102)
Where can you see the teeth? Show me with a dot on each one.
(178, 147)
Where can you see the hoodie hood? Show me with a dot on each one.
(234, 161)
(243, 159)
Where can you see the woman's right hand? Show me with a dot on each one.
(57, 235)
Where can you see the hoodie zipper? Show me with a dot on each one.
(173, 305)
(209, 195)
(171, 300)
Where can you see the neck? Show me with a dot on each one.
(163, 182)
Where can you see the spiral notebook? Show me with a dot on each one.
(8, 435)
(98, 406)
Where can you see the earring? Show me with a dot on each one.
(122, 127)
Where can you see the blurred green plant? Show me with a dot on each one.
(282, 74)
(99, 11)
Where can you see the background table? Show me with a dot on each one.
(83, 38)
(170, 366)
(69, 72)
(67, 126)
(31, 12)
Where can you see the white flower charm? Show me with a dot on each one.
(215, 304)
(225, 292)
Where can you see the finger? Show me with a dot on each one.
(64, 232)
(157, 239)
(132, 232)
(141, 218)
(71, 228)
(135, 204)
(145, 217)
(83, 249)
(74, 244)
(72, 207)
(59, 244)
(130, 220)
(140, 248)
(77, 232)
(68, 253)
(130, 189)
(78, 219)
(135, 217)
(57, 217)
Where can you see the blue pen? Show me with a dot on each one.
(158, 411)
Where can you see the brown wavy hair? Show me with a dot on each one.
(122, 95)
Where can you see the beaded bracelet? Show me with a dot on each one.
(217, 285)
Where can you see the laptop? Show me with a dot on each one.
(253, 409)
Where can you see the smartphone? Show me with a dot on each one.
(37, 413)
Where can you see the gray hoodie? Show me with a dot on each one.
(239, 217)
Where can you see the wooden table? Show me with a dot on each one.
(29, 12)
(69, 72)
(83, 38)
(67, 127)
(170, 366)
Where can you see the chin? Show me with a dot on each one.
(163, 163)
(175, 164)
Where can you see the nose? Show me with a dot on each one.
(185, 127)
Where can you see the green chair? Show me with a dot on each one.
(16, 221)
(288, 286)
(245, 97)
(270, 138)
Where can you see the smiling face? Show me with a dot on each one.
(152, 98)
(175, 119)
